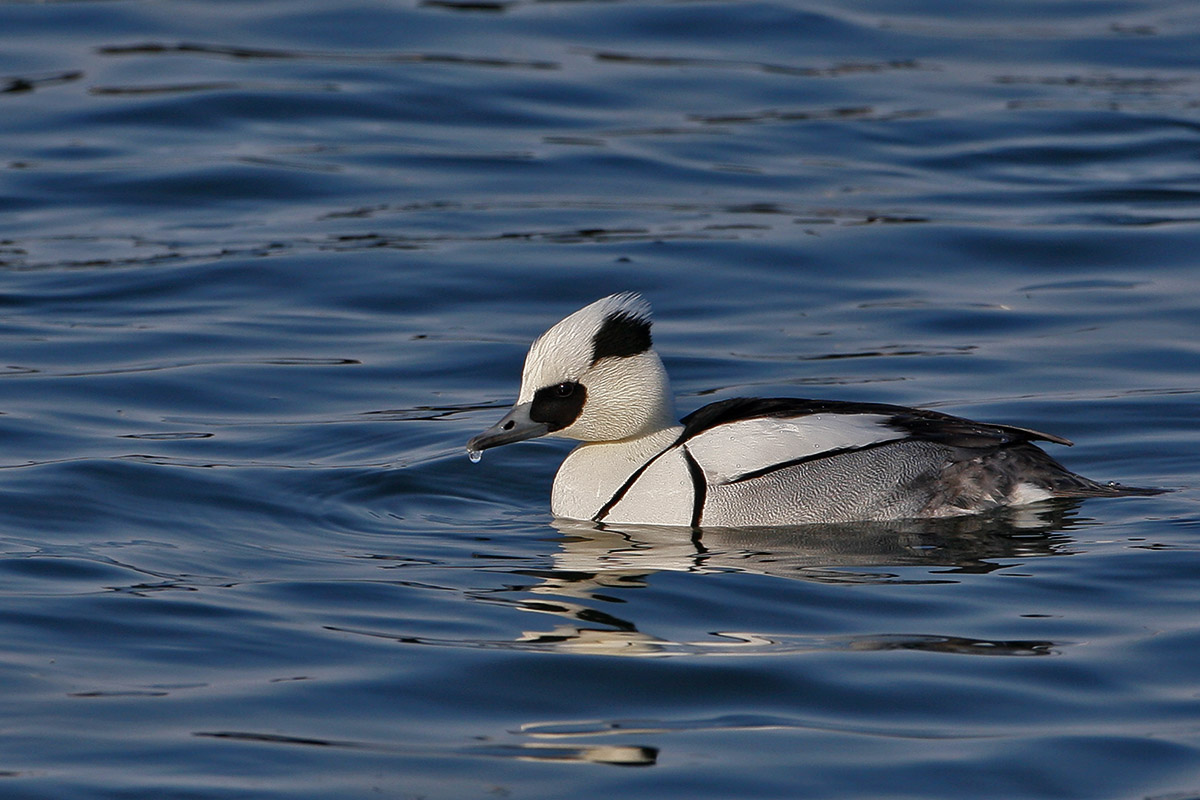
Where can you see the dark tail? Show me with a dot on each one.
(1061, 482)
(1083, 487)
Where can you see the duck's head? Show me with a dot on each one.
(592, 377)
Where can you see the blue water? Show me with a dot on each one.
(265, 267)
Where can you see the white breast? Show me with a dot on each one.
(663, 495)
(727, 452)
(594, 473)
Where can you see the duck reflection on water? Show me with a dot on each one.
(826, 553)
(595, 562)
(594, 579)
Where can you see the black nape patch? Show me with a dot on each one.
(622, 334)
(559, 405)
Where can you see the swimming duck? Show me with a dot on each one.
(595, 377)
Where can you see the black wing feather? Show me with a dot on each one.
(918, 423)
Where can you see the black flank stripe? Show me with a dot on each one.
(699, 487)
(758, 473)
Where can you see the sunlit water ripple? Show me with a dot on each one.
(267, 267)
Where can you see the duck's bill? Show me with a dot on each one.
(516, 426)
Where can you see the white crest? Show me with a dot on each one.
(564, 353)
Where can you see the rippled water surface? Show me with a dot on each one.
(265, 267)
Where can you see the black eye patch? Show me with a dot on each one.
(559, 405)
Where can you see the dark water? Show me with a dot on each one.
(267, 266)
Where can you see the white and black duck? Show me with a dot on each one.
(595, 377)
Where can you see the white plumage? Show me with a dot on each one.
(595, 377)
(730, 451)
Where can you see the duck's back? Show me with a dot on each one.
(781, 461)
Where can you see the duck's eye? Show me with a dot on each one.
(558, 405)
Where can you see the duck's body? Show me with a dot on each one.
(753, 461)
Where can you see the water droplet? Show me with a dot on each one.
(475, 455)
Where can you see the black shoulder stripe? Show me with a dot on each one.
(699, 487)
(621, 334)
